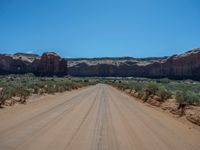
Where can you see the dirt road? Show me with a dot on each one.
(93, 118)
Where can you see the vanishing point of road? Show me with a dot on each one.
(93, 118)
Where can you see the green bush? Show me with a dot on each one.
(86, 80)
(23, 93)
(24, 85)
(151, 88)
(187, 97)
(163, 93)
(2, 97)
(7, 93)
(138, 87)
(164, 88)
(194, 99)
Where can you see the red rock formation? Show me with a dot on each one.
(184, 66)
(50, 64)
(10, 64)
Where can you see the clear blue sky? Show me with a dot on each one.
(96, 28)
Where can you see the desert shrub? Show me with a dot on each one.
(23, 93)
(23, 85)
(187, 97)
(138, 87)
(36, 89)
(194, 99)
(50, 89)
(152, 87)
(144, 96)
(164, 88)
(2, 97)
(114, 81)
(125, 86)
(61, 89)
(181, 97)
(163, 81)
(7, 93)
(163, 93)
(86, 80)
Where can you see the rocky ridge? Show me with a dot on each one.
(183, 66)
(48, 64)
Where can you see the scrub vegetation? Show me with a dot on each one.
(185, 92)
(22, 86)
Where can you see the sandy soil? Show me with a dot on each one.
(93, 118)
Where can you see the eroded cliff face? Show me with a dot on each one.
(184, 66)
(10, 64)
(48, 64)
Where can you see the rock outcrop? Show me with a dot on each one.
(48, 64)
(10, 64)
(184, 66)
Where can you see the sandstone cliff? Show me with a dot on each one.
(184, 66)
(48, 64)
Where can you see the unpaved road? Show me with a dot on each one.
(94, 118)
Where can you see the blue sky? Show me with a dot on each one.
(97, 28)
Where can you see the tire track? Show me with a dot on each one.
(38, 120)
(55, 121)
(98, 118)
(82, 122)
(43, 113)
(148, 123)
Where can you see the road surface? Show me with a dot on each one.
(94, 118)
